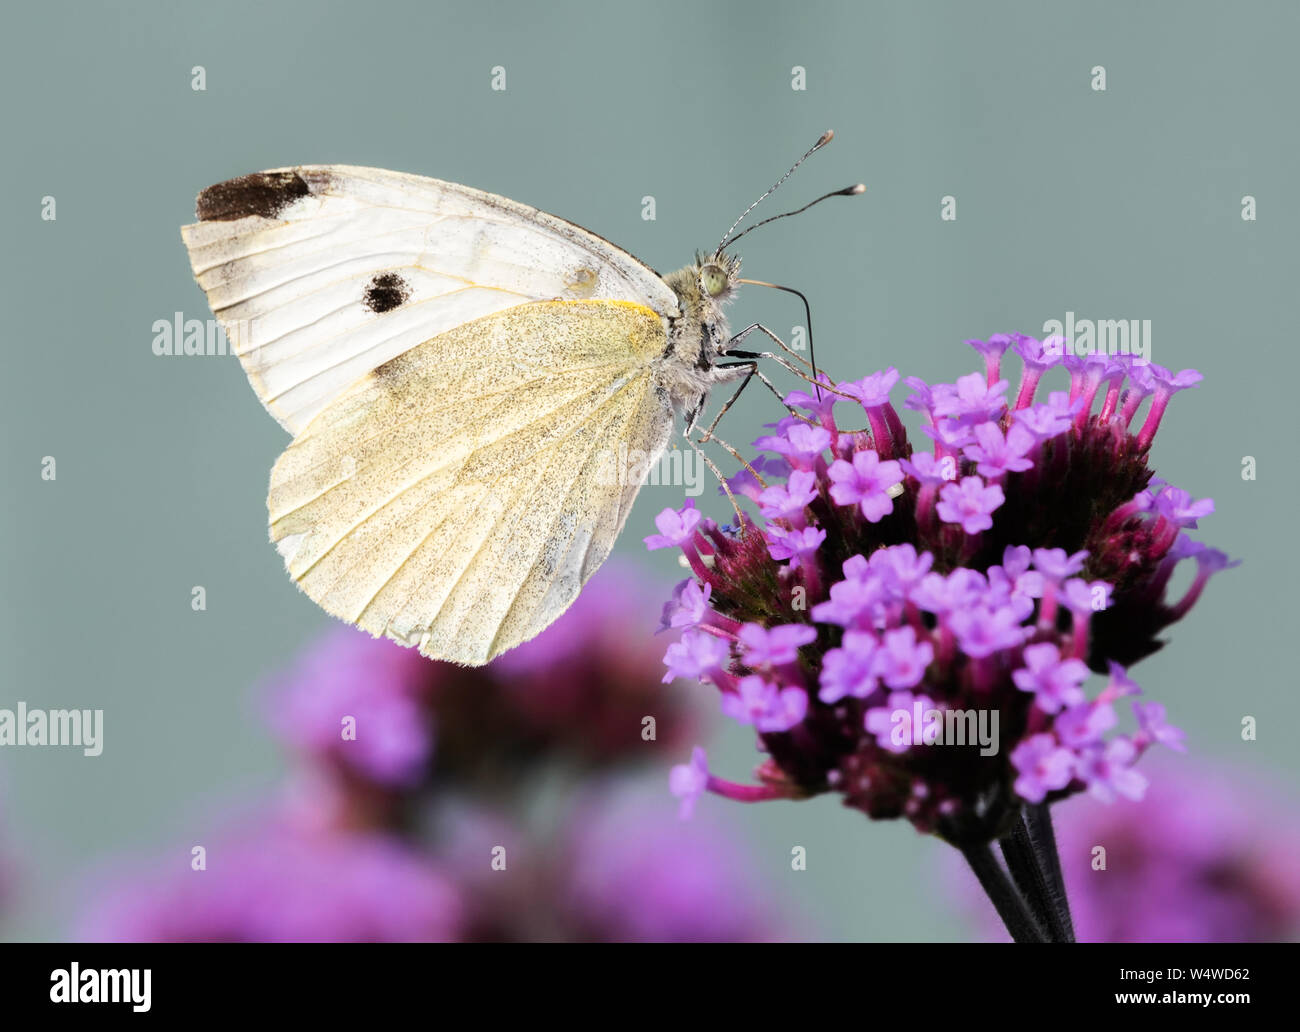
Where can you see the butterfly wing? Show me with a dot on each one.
(322, 273)
(459, 496)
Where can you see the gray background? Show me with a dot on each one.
(1122, 204)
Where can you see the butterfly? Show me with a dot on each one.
(456, 369)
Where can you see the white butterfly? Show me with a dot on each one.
(456, 369)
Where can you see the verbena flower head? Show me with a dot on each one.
(887, 599)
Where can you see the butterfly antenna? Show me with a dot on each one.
(848, 191)
(822, 141)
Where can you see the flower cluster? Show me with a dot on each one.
(409, 812)
(915, 629)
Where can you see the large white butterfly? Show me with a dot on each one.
(456, 369)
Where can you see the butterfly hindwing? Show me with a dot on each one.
(459, 495)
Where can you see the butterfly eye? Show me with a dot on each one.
(713, 280)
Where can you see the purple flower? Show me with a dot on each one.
(698, 656)
(1120, 684)
(983, 630)
(1013, 582)
(744, 482)
(1085, 724)
(1177, 506)
(360, 700)
(891, 724)
(973, 401)
(775, 646)
(676, 527)
(1109, 772)
(801, 444)
(272, 885)
(1084, 598)
(953, 434)
(922, 397)
(1154, 727)
(688, 607)
(1045, 421)
(996, 454)
(766, 705)
(852, 603)
(872, 391)
(901, 567)
(866, 481)
(788, 500)
(629, 872)
(687, 781)
(1043, 766)
(1038, 355)
(850, 669)
(820, 406)
(969, 503)
(794, 544)
(994, 347)
(1056, 564)
(959, 590)
(901, 660)
(928, 469)
(1053, 681)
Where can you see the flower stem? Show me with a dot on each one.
(1030, 852)
(1039, 822)
(1000, 890)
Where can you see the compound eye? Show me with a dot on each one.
(713, 280)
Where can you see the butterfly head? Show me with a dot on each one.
(717, 276)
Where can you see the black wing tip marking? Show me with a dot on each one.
(261, 193)
(385, 292)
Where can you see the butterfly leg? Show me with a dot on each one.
(821, 382)
(740, 516)
(751, 370)
(738, 338)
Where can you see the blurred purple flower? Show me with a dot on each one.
(387, 717)
(634, 872)
(270, 884)
(1205, 856)
(361, 701)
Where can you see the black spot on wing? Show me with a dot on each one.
(385, 292)
(262, 193)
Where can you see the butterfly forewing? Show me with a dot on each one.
(322, 273)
